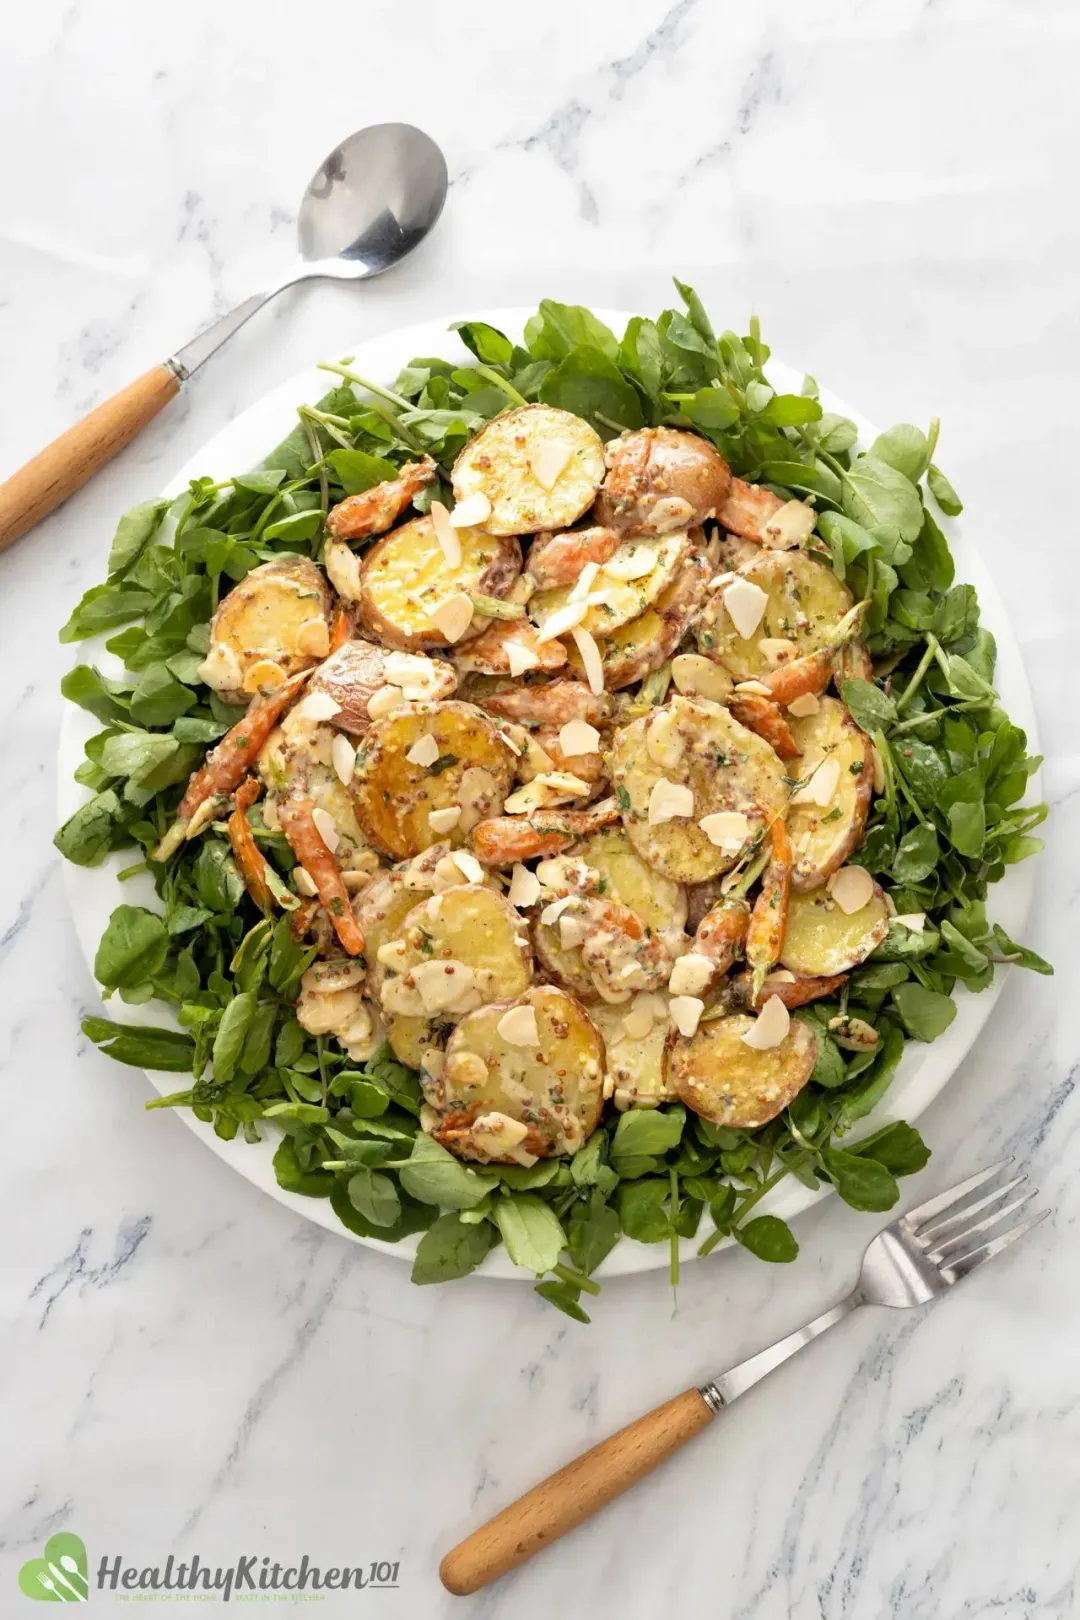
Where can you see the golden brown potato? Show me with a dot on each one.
(538, 466)
(621, 600)
(405, 578)
(821, 940)
(701, 747)
(271, 626)
(721, 1078)
(823, 836)
(552, 1086)
(395, 797)
(359, 669)
(660, 479)
(635, 1064)
(636, 649)
(805, 603)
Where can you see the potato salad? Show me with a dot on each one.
(568, 777)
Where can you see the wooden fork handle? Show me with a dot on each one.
(65, 465)
(567, 1498)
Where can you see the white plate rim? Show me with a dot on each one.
(92, 892)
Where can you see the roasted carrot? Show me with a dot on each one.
(762, 716)
(502, 840)
(297, 819)
(768, 920)
(792, 992)
(226, 764)
(722, 932)
(249, 857)
(372, 511)
(341, 630)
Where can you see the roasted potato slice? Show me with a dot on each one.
(394, 797)
(823, 836)
(634, 650)
(383, 906)
(821, 940)
(805, 601)
(272, 625)
(699, 746)
(660, 479)
(405, 577)
(659, 557)
(635, 1065)
(721, 1078)
(359, 669)
(554, 1087)
(540, 467)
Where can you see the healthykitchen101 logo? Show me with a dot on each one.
(61, 1575)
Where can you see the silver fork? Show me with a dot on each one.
(914, 1259)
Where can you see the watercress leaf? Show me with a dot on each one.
(943, 492)
(132, 949)
(564, 1297)
(1020, 954)
(862, 1182)
(192, 729)
(870, 707)
(531, 1231)
(136, 753)
(434, 1176)
(589, 384)
(640, 354)
(101, 608)
(933, 555)
(962, 947)
(231, 1035)
(592, 1238)
(358, 471)
(450, 1248)
(374, 1196)
(256, 1053)
(643, 1209)
(836, 433)
(106, 699)
(86, 837)
(712, 409)
(556, 328)
(488, 344)
(899, 1147)
(722, 1207)
(367, 1100)
(769, 1238)
(915, 610)
(917, 854)
(879, 497)
(217, 881)
(957, 614)
(847, 538)
(133, 532)
(829, 1070)
(159, 698)
(905, 448)
(923, 768)
(647, 1131)
(926, 1013)
(142, 1046)
(791, 410)
(967, 827)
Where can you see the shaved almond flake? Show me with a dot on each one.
(453, 616)
(691, 975)
(821, 786)
(554, 911)
(343, 756)
(303, 883)
(470, 513)
(583, 583)
(446, 534)
(776, 650)
(915, 920)
(790, 526)
(769, 1028)
(524, 887)
(519, 657)
(326, 827)
(563, 619)
(445, 986)
(808, 703)
(468, 866)
(852, 888)
(443, 821)
(880, 780)
(571, 932)
(578, 737)
(548, 461)
(746, 604)
(695, 675)
(590, 657)
(630, 562)
(382, 701)
(757, 687)
(424, 751)
(318, 706)
(668, 800)
(686, 1012)
(727, 829)
(518, 1027)
(263, 676)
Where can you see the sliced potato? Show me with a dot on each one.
(388, 899)
(405, 577)
(635, 1066)
(473, 928)
(659, 479)
(700, 746)
(394, 797)
(555, 1088)
(823, 836)
(805, 602)
(623, 599)
(562, 964)
(721, 1078)
(540, 467)
(358, 670)
(276, 619)
(821, 940)
(634, 650)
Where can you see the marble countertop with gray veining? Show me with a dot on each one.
(189, 1367)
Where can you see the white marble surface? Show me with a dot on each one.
(188, 1367)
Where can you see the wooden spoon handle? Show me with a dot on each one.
(65, 465)
(567, 1498)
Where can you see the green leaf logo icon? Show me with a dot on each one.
(59, 1575)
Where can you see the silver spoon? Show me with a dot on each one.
(367, 206)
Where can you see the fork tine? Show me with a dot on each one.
(961, 1241)
(937, 1206)
(967, 1263)
(957, 1218)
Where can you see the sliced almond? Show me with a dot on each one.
(563, 619)
(776, 650)
(584, 581)
(550, 787)
(519, 657)
(822, 785)
(686, 1012)
(424, 751)
(880, 779)
(313, 638)
(453, 616)
(326, 827)
(746, 603)
(548, 461)
(518, 1026)
(669, 800)
(770, 1026)
(470, 513)
(446, 534)
(303, 883)
(445, 986)
(263, 676)
(915, 920)
(551, 913)
(524, 887)
(383, 700)
(590, 657)
(852, 888)
(578, 737)
(468, 866)
(757, 688)
(691, 975)
(571, 932)
(317, 706)
(808, 703)
(631, 561)
(343, 758)
(697, 676)
(444, 821)
(791, 526)
(727, 829)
